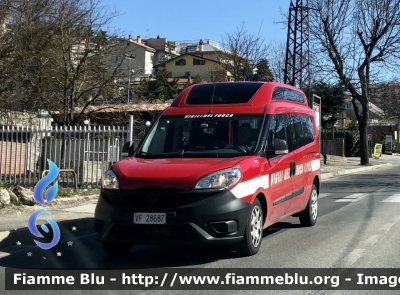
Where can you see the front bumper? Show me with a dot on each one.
(192, 216)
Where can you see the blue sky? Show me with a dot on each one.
(194, 20)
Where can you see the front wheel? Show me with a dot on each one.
(308, 217)
(115, 248)
(254, 231)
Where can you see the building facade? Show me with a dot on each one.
(189, 66)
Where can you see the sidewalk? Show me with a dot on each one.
(13, 226)
(353, 166)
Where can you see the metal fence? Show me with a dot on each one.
(87, 150)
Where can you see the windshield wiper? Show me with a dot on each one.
(201, 155)
(141, 153)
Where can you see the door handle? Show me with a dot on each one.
(292, 168)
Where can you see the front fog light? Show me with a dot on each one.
(110, 180)
(221, 179)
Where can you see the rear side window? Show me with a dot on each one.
(222, 93)
(301, 130)
(287, 94)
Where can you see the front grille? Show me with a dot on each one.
(152, 232)
(177, 200)
(161, 198)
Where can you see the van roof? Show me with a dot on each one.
(237, 94)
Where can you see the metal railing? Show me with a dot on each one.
(87, 150)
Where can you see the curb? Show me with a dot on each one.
(24, 236)
(75, 198)
(350, 171)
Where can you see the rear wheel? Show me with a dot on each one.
(116, 248)
(254, 231)
(309, 216)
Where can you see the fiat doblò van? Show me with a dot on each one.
(223, 162)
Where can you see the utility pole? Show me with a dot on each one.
(297, 61)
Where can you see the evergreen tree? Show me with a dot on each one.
(263, 71)
(332, 102)
(160, 89)
(197, 79)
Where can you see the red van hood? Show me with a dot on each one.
(180, 173)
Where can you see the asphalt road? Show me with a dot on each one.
(358, 227)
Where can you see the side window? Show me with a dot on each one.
(276, 130)
(287, 94)
(294, 95)
(302, 130)
(297, 131)
(279, 93)
(290, 132)
(308, 128)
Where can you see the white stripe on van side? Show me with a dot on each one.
(315, 165)
(248, 187)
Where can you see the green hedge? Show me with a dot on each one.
(352, 143)
(396, 148)
(351, 139)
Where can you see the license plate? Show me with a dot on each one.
(149, 218)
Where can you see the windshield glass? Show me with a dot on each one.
(216, 135)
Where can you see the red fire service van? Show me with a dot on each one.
(222, 163)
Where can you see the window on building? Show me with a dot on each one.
(181, 62)
(198, 62)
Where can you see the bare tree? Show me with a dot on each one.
(242, 51)
(386, 96)
(56, 61)
(356, 40)
(277, 60)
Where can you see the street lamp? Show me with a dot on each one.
(130, 57)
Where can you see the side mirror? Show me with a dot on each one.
(281, 146)
(128, 149)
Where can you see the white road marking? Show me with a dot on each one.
(372, 240)
(353, 256)
(392, 199)
(324, 195)
(356, 254)
(352, 198)
(387, 196)
(388, 226)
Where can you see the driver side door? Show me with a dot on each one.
(280, 181)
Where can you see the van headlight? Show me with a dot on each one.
(220, 179)
(110, 180)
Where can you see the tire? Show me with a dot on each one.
(253, 233)
(116, 249)
(309, 216)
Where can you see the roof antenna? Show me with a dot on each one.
(212, 98)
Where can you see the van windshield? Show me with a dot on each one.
(215, 135)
